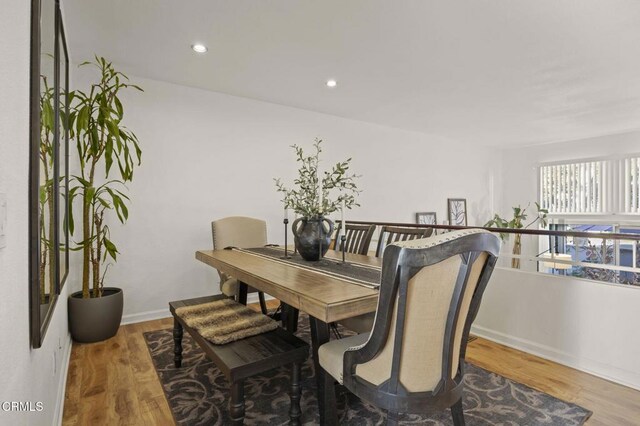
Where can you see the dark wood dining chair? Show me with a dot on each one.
(357, 238)
(241, 232)
(392, 234)
(388, 235)
(412, 360)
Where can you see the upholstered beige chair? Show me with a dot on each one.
(412, 360)
(388, 235)
(241, 232)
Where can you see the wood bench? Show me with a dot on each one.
(246, 357)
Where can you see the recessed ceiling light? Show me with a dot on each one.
(332, 83)
(199, 48)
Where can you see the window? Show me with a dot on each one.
(614, 261)
(630, 168)
(606, 186)
(574, 187)
(595, 187)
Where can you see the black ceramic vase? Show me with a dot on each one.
(308, 232)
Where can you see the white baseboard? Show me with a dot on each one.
(145, 316)
(604, 371)
(62, 384)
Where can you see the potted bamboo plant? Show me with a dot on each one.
(105, 147)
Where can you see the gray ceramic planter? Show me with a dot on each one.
(95, 319)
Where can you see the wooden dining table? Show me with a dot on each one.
(326, 298)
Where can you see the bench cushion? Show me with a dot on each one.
(224, 320)
(250, 356)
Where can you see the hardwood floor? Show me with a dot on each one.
(114, 382)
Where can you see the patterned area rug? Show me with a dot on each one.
(198, 394)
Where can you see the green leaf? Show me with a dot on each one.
(95, 140)
(70, 221)
(104, 202)
(108, 155)
(43, 194)
(125, 210)
(119, 108)
(110, 248)
(138, 151)
(120, 207)
(113, 129)
(84, 182)
(89, 193)
(82, 119)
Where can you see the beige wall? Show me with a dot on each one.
(207, 155)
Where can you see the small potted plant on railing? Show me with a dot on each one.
(517, 222)
(102, 142)
(315, 196)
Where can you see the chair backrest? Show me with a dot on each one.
(358, 238)
(430, 293)
(392, 234)
(238, 231)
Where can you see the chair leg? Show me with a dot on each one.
(263, 303)
(294, 410)
(236, 403)
(457, 413)
(392, 418)
(177, 343)
(328, 388)
(326, 391)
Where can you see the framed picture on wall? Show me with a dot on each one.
(457, 211)
(426, 218)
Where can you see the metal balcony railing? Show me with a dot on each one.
(608, 257)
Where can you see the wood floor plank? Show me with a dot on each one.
(115, 383)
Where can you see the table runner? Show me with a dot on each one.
(355, 273)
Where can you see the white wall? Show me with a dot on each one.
(207, 155)
(27, 374)
(519, 164)
(585, 324)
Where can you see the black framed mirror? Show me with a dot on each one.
(48, 165)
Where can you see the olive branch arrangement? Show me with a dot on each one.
(314, 196)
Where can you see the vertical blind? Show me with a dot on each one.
(575, 187)
(596, 187)
(631, 178)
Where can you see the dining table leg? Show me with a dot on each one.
(242, 293)
(290, 318)
(326, 392)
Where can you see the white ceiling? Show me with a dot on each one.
(499, 72)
